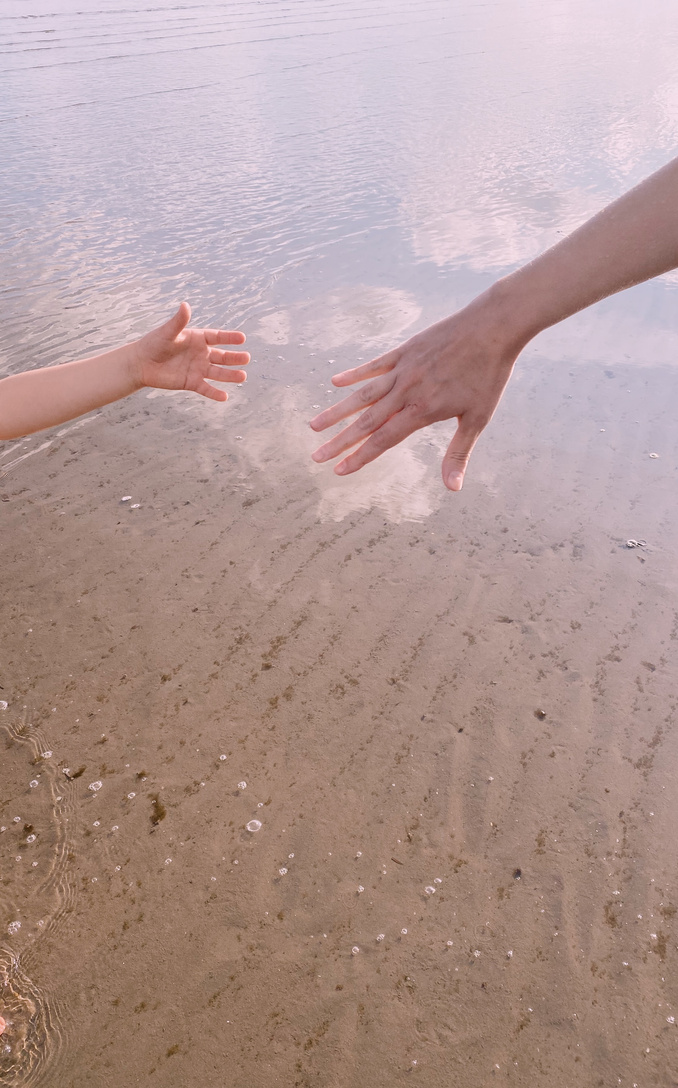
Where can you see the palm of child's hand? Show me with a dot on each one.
(175, 357)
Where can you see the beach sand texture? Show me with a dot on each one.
(470, 716)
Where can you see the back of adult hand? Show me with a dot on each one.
(457, 368)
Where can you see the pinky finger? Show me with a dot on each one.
(207, 390)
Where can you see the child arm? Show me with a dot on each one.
(170, 357)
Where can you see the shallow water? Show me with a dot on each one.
(419, 691)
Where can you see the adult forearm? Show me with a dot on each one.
(631, 240)
(43, 398)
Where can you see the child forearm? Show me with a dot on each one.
(169, 357)
(38, 399)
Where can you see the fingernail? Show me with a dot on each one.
(341, 470)
(455, 481)
(317, 457)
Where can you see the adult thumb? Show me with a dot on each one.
(459, 450)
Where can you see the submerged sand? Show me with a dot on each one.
(453, 717)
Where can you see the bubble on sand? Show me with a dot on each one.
(290, 855)
(30, 838)
(13, 928)
(46, 755)
(381, 937)
(437, 880)
(126, 498)
(168, 861)
(449, 943)
(242, 785)
(476, 952)
(16, 819)
(654, 456)
(360, 889)
(222, 757)
(94, 786)
(355, 950)
(34, 784)
(131, 796)
(359, 854)
(403, 931)
(135, 506)
(429, 889)
(670, 1019)
(254, 825)
(282, 871)
(3, 704)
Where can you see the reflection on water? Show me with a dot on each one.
(224, 151)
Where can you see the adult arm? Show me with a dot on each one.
(459, 367)
(170, 357)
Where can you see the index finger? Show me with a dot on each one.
(381, 365)
(223, 336)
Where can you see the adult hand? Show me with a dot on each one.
(456, 368)
(175, 357)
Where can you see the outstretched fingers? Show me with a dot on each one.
(393, 431)
(229, 358)
(207, 390)
(213, 337)
(381, 365)
(362, 398)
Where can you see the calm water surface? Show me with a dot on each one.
(329, 176)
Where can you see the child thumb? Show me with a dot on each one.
(178, 322)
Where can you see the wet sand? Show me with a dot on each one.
(462, 705)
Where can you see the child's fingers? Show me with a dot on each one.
(177, 323)
(221, 374)
(229, 358)
(223, 336)
(210, 392)
(373, 369)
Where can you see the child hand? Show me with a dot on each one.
(175, 357)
